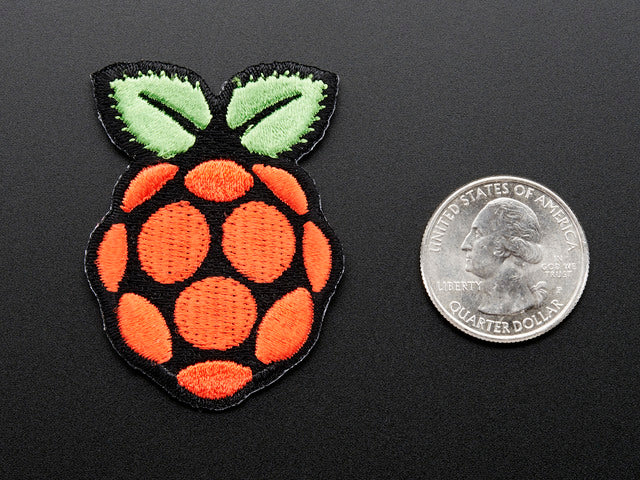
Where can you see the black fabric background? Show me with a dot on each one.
(432, 95)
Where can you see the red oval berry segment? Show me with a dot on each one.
(259, 241)
(146, 184)
(316, 253)
(285, 327)
(111, 258)
(214, 379)
(216, 313)
(284, 186)
(143, 328)
(219, 181)
(173, 242)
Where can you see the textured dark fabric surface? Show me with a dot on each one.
(432, 96)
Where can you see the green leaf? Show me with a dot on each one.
(161, 112)
(276, 111)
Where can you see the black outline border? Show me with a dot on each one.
(143, 157)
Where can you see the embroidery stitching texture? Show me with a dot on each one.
(215, 265)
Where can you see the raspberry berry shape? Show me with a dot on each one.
(214, 266)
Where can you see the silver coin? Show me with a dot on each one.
(504, 259)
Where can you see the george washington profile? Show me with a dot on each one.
(503, 242)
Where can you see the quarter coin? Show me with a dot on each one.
(504, 259)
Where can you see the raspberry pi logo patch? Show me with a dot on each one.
(214, 265)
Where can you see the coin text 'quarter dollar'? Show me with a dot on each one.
(504, 259)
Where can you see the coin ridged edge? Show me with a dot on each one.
(566, 310)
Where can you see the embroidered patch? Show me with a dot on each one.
(215, 264)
